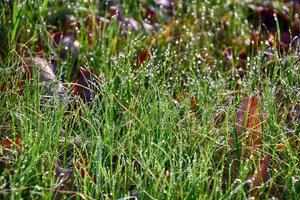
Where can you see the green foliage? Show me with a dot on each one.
(141, 132)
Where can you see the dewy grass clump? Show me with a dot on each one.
(163, 99)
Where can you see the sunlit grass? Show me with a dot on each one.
(142, 135)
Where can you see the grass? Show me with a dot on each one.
(141, 134)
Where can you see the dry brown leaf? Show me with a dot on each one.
(249, 126)
(260, 176)
(250, 131)
(9, 148)
(82, 87)
(82, 166)
(64, 174)
(8, 144)
(193, 103)
(143, 56)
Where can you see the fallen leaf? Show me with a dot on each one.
(64, 174)
(134, 193)
(227, 55)
(8, 144)
(82, 87)
(115, 11)
(83, 167)
(137, 166)
(143, 56)
(9, 148)
(69, 46)
(42, 66)
(219, 118)
(193, 103)
(249, 126)
(260, 176)
(179, 97)
(149, 13)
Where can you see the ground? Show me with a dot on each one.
(149, 99)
